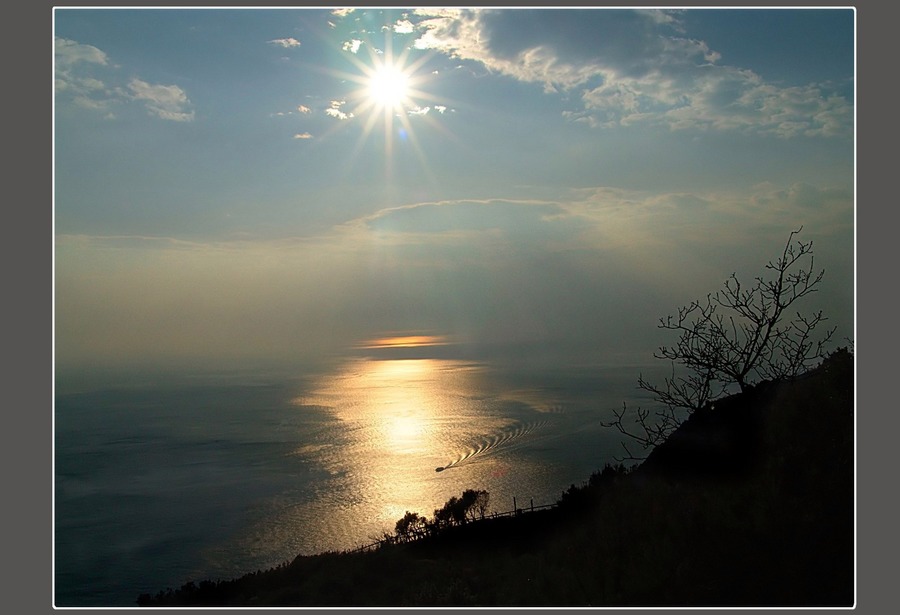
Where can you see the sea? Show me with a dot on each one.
(177, 479)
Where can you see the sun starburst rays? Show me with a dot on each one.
(390, 89)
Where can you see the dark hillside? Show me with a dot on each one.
(777, 462)
(749, 503)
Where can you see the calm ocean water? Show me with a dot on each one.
(160, 484)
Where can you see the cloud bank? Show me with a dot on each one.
(588, 275)
(641, 68)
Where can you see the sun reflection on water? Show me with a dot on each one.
(400, 419)
(395, 403)
(363, 443)
(406, 435)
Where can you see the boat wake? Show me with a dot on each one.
(491, 444)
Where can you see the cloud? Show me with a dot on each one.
(168, 102)
(287, 43)
(303, 135)
(533, 46)
(639, 68)
(73, 63)
(448, 216)
(707, 222)
(94, 104)
(86, 91)
(404, 26)
(665, 233)
(69, 53)
(300, 109)
(335, 110)
(720, 99)
(352, 45)
(804, 197)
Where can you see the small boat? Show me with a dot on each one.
(440, 469)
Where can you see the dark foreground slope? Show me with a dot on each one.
(748, 503)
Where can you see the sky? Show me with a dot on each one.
(244, 186)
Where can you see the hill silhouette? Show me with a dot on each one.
(750, 502)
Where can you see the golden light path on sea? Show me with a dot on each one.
(396, 421)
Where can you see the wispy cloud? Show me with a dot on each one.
(287, 43)
(303, 135)
(168, 102)
(718, 98)
(689, 228)
(404, 340)
(449, 216)
(69, 53)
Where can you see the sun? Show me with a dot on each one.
(388, 87)
(390, 96)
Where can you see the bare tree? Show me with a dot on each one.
(645, 429)
(737, 336)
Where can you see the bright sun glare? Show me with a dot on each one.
(388, 95)
(388, 87)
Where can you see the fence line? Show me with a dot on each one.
(494, 515)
